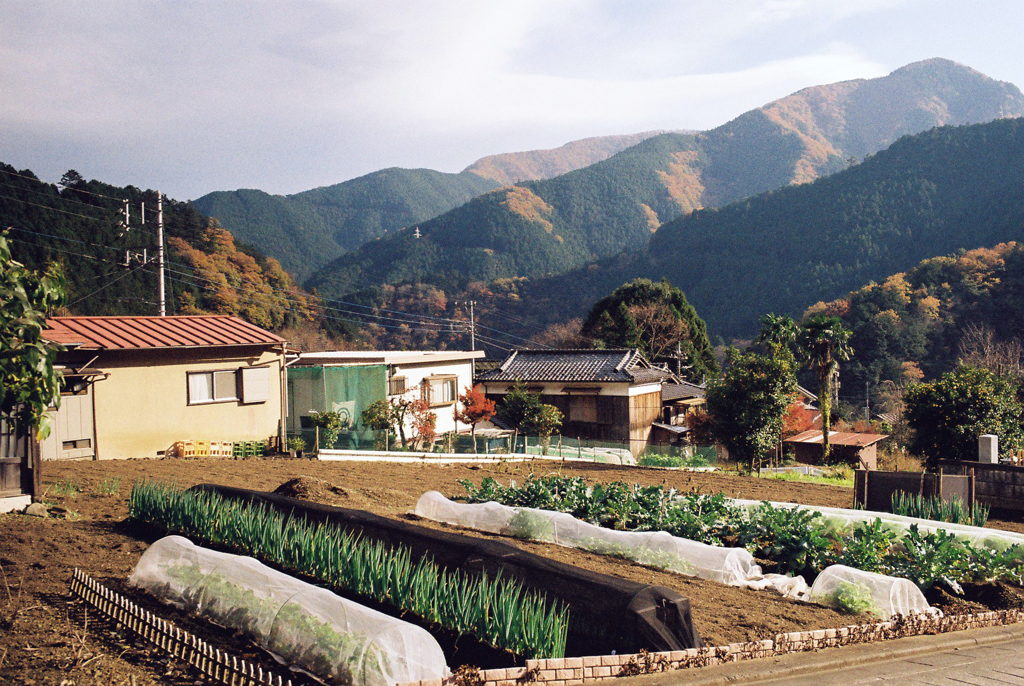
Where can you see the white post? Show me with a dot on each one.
(160, 251)
(988, 449)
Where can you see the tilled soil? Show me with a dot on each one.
(46, 638)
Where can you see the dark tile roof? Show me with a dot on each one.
(626, 366)
(127, 333)
(681, 389)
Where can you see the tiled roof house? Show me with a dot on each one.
(608, 395)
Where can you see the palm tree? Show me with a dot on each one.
(778, 333)
(823, 343)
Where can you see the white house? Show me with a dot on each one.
(350, 380)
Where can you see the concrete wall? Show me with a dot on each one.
(415, 373)
(142, 406)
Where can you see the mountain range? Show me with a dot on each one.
(547, 227)
(307, 230)
(943, 190)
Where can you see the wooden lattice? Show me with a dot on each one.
(214, 663)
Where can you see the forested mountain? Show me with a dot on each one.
(541, 228)
(937, 192)
(918, 324)
(80, 225)
(533, 165)
(307, 230)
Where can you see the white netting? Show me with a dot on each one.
(734, 566)
(856, 591)
(844, 520)
(304, 624)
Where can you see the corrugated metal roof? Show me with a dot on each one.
(837, 438)
(627, 366)
(128, 333)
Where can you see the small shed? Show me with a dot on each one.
(858, 449)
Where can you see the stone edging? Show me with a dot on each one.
(570, 671)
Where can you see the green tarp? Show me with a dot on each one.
(347, 390)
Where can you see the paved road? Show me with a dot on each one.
(993, 665)
(981, 657)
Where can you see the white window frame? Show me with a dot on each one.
(213, 375)
(439, 382)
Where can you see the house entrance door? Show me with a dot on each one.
(73, 435)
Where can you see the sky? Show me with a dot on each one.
(193, 97)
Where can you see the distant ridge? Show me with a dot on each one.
(542, 228)
(531, 165)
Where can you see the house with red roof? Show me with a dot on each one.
(140, 386)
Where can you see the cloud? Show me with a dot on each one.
(286, 95)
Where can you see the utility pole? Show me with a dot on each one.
(867, 403)
(472, 326)
(162, 299)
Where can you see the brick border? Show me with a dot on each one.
(570, 671)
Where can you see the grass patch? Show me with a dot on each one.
(838, 477)
(110, 486)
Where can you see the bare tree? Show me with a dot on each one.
(979, 347)
(658, 326)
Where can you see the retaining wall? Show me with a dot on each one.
(577, 670)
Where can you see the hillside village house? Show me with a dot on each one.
(135, 386)
(679, 400)
(604, 395)
(857, 449)
(349, 381)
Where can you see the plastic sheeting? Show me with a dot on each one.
(854, 590)
(733, 566)
(304, 624)
(606, 613)
(845, 520)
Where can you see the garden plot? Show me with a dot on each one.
(797, 540)
(838, 586)
(605, 613)
(334, 638)
(38, 554)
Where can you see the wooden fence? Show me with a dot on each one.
(997, 485)
(873, 490)
(214, 663)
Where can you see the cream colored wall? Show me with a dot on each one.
(415, 373)
(607, 388)
(142, 407)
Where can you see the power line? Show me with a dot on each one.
(107, 285)
(49, 195)
(352, 321)
(61, 185)
(63, 238)
(54, 209)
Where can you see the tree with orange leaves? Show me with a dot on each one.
(475, 408)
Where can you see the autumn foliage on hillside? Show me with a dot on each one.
(236, 283)
(918, 324)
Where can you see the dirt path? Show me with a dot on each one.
(45, 639)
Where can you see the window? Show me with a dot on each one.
(212, 387)
(396, 385)
(440, 390)
(74, 385)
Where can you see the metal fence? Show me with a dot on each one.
(488, 443)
